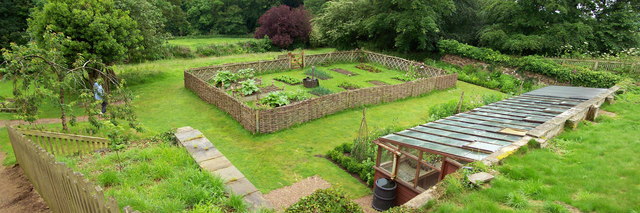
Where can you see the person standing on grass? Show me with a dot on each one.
(99, 95)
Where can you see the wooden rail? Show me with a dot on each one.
(612, 66)
(65, 144)
(61, 188)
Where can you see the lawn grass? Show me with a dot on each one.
(194, 43)
(137, 177)
(594, 169)
(361, 79)
(270, 161)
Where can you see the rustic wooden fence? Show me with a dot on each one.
(612, 66)
(65, 144)
(61, 188)
(271, 120)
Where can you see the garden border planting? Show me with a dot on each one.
(271, 120)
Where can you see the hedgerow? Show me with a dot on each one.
(578, 76)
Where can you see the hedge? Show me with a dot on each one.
(325, 200)
(578, 76)
(363, 169)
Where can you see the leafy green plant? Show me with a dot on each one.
(517, 200)
(297, 95)
(275, 99)
(288, 80)
(348, 85)
(245, 73)
(248, 87)
(320, 91)
(319, 74)
(405, 78)
(325, 200)
(224, 79)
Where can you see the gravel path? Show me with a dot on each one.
(288, 195)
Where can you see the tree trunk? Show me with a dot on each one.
(63, 113)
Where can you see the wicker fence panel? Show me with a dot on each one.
(62, 189)
(271, 120)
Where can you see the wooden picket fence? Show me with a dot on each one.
(61, 188)
(65, 144)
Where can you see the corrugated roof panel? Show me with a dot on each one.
(475, 134)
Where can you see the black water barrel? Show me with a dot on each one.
(384, 194)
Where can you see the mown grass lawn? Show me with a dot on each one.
(194, 43)
(594, 169)
(275, 160)
(270, 161)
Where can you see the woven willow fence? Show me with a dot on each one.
(61, 188)
(271, 120)
(612, 66)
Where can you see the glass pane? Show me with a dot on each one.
(386, 160)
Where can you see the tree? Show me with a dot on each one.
(314, 6)
(293, 3)
(151, 25)
(405, 25)
(13, 19)
(96, 28)
(176, 18)
(560, 27)
(41, 72)
(285, 25)
(215, 17)
(465, 23)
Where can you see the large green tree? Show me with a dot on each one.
(151, 24)
(13, 21)
(559, 27)
(405, 25)
(215, 17)
(97, 29)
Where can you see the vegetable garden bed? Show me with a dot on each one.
(287, 112)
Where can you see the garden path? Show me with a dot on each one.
(288, 195)
(17, 193)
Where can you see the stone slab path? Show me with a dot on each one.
(288, 195)
(212, 160)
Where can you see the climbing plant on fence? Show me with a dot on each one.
(578, 76)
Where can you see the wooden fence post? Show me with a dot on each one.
(459, 108)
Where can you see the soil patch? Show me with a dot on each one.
(378, 83)
(343, 71)
(368, 68)
(16, 192)
(288, 195)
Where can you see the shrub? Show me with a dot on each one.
(254, 46)
(320, 91)
(176, 51)
(248, 87)
(577, 76)
(348, 85)
(320, 74)
(288, 80)
(275, 99)
(224, 79)
(325, 200)
(285, 25)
